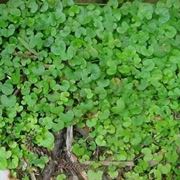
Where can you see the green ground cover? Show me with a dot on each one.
(112, 71)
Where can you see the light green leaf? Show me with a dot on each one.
(8, 101)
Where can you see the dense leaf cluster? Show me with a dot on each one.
(113, 71)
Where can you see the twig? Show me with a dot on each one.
(16, 92)
(32, 175)
(84, 133)
(72, 158)
(108, 163)
(47, 65)
(26, 45)
(69, 139)
(25, 55)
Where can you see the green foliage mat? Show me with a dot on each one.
(113, 71)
